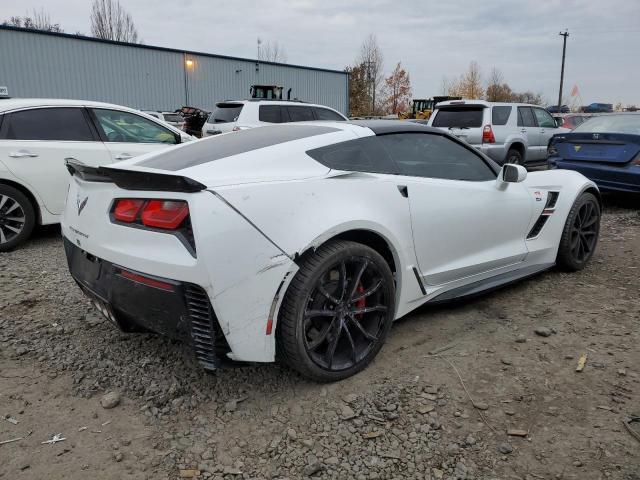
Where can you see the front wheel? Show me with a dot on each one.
(580, 234)
(337, 311)
(17, 217)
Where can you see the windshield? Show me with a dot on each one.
(225, 113)
(459, 117)
(611, 124)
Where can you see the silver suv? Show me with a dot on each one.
(242, 114)
(507, 132)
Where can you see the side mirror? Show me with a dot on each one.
(510, 173)
(559, 122)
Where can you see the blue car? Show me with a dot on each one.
(605, 149)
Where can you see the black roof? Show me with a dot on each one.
(381, 127)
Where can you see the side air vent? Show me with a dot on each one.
(538, 226)
(209, 342)
(552, 199)
(547, 211)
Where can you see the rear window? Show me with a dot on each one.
(459, 117)
(222, 146)
(611, 124)
(225, 113)
(500, 115)
(362, 155)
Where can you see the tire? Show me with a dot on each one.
(514, 156)
(17, 218)
(330, 308)
(580, 234)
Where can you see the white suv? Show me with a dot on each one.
(235, 115)
(507, 132)
(38, 135)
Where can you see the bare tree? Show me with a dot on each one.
(271, 52)
(110, 21)
(471, 82)
(497, 89)
(38, 20)
(372, 59)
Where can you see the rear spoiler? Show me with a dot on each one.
(134, 180)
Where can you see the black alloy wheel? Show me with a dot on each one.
(337, 311)
(580, 234)
(584, 231)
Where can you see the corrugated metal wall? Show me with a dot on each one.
(64, 66)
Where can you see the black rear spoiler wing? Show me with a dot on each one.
(134, 180)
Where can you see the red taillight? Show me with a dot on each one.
(126, 209)
(151, 282)
(165, 214)
(487, 135)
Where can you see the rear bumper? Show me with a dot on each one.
(621, 179)
(136, 301)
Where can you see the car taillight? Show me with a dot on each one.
(126, 209)
(487, 135)
(165, 214)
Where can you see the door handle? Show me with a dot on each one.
(524, 130)
(22, 154)
(124, 156)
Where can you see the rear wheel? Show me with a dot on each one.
(580, 234)
(514, 156)
(17, 217)
(337, 311)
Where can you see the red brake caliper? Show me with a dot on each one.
(362, 302)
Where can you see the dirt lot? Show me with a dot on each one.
(406, 416)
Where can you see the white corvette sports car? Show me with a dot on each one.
(305, 241)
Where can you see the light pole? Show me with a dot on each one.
(564, 51)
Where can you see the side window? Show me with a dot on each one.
(300, 114)
(326, 114)
(525, 117)
(435, 156)
(66, 124)
(361, 155)
(270, 113)
(128, 127)
(544, 119)
(500, 115)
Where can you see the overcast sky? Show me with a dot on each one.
(432, 39)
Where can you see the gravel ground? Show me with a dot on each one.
(409, 415)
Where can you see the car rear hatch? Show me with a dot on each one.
(609, 148)
(224, 118)
(465, 121)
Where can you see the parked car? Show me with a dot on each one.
(570, 120)
(556, 109)
(37, 135)
(605, 149)
(242, 114)
(305, 241)
(506, 132)
(598, 108)
(172, 118)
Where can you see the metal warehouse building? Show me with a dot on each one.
(55, 65)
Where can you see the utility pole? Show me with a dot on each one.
(564, 51)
